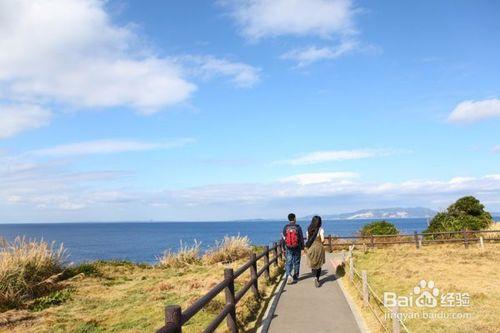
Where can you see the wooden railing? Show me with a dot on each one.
(175, 318)
(419, 239)
(387, 317)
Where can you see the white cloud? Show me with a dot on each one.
(97, 195)
(331, 20)
(336, 155)
(261, 18)
(309, 55)
(243, 75)
(108, 147)
(319, 177)
(496, 149)
(17, 118)
(23, 183)
(472, 111)
(70, 51)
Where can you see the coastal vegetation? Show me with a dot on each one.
(121, 296)
(229, 249)
(466, 213)
(453, 269)
(379, 228)
(25, 267)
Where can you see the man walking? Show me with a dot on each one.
(294, 243)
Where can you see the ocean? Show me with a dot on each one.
(145, 241)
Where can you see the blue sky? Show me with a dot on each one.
(190, 110)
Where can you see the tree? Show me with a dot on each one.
(379, 228)
(466, 213)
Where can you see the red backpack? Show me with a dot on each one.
(291, 237)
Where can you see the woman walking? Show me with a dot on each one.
(315, 250)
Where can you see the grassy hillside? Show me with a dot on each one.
(453, 269)
(126, 297)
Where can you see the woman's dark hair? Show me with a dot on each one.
(291, 217)
(312, 231)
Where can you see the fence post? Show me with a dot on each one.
(351, 269)
(365, 248)
(396, 326)
(372, 241)
(173, 317)
(481, 243)
(253, 275)
(330, 243)
(231, 317)
(266, 262)
(466, 242)
(275, 251)
(366, 294)
(416, 240)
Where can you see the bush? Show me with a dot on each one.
(24, 264)
(56, 298)
(85, 268)
(379, 228)
(466, 213)
(231, 248)
(186, 255)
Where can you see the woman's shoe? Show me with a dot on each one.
(289, 280)
(316, 283)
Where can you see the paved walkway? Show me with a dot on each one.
(304, 308)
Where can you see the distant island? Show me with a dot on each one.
(381, 213)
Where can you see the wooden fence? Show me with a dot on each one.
(388, 318)
(175, 317)
(419, 239)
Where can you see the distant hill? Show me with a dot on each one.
(382, 213)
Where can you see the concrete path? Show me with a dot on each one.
(304, 308)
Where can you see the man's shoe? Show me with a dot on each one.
(316, 283)
(289, 280)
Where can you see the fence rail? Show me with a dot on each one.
(370, 298)
(373, 302)
(175, 318)
(419, 239)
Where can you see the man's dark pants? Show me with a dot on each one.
(292, 262)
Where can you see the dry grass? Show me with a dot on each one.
(495, 226)
(453, 268)
(231, 248)
(24, 264)
(126, 297)
(185, 256)
(131, 298)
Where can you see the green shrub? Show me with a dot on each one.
(379, 228)
(87, 268)
(466, 213)
(56, 298)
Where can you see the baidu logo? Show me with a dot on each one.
(426, 295)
